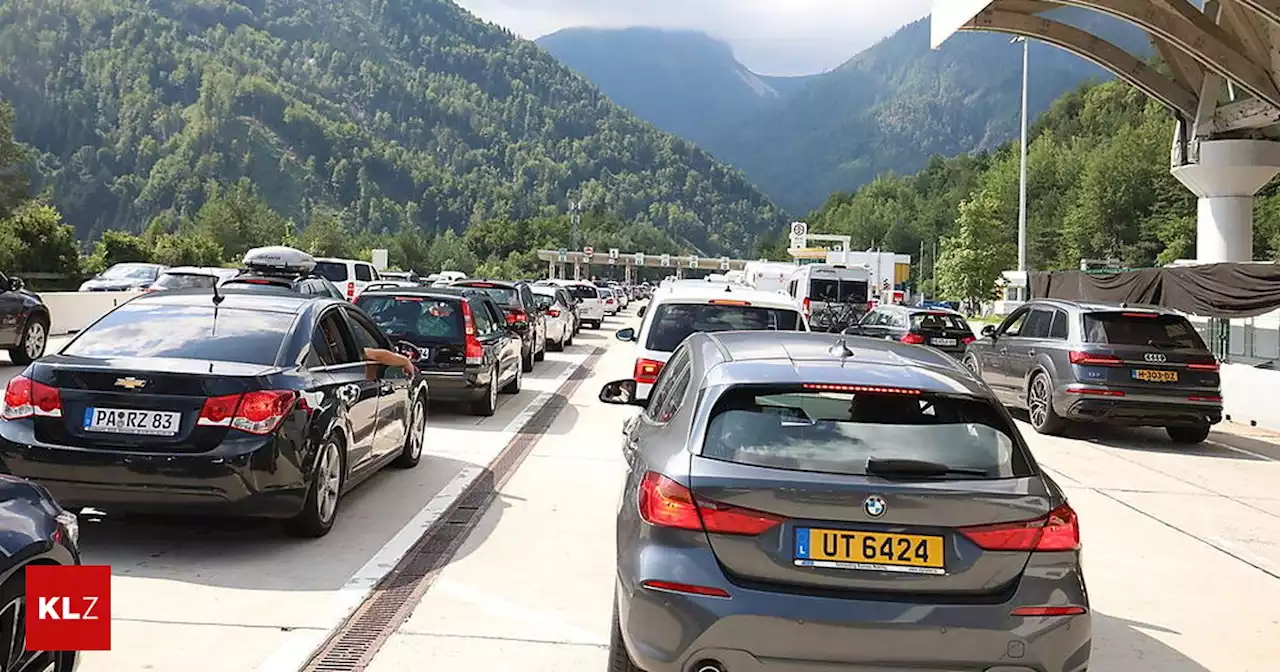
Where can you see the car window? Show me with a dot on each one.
(526, 295)
(417, 319)
(185, 281)
(792, 427)
(364, 272)
(1059, 328)
(662, 386)
(131, 272)
(1141, 329)
(329, 344)
(584, 291)
(482, 318)
(365, 335)
(543, 302)
(674, 322)
(147, 329)
(934, 321)
(832, 290)
(791, 288)
(1013, 324)
(675, 396)
(1037, 325)
(503, 296)
(332, 271)
(869, 320)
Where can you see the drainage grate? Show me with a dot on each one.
(352, 646)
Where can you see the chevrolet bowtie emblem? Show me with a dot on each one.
(131, 383)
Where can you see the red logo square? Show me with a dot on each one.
(68, 608)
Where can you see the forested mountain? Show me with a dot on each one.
(684, 82)
(888, 109)
(390, 114)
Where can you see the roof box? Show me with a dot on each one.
(279, 259)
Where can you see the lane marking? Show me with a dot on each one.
(1242, 451)
(301, 645)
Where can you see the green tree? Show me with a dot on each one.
(972, 259)
(118, 247)
(13, 156)
(194, 249)
(239, 220)
(37, 241)
(449, 252)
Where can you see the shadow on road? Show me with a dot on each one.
(1154, 440)
(1121, 645)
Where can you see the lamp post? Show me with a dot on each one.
(1022, 170)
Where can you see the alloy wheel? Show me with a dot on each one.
(36, 339)
(330, 484)
(971, 364)
(1038, 402)
(418, 436)
(13, 624)
(493, 387)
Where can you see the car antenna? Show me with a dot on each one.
(217, 297)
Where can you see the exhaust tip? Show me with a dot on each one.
(708, 666)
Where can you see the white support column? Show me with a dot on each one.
(1225, 178)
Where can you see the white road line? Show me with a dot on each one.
(1242, 451)
(301, 644)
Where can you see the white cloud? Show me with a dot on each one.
(769, 36)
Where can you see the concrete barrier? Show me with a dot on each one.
(70, 312)
(1246, 395)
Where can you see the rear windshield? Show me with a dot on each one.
(842, 291)
(414, 318)
(331, 271)
(1170, 331)
(583, 292)
(185, 281)
(673, 322)
(503, 296)
(146, 329)
(938, 321)
(837, 433)
(131, 272)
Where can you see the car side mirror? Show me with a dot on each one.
(620, 393)
(988, 330)
(16, 284)
(627, 335)
(520, 327)
(409, 350)
(640, 313)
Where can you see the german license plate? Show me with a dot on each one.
(1151, 376)
(943, 341)
(130, 421)
(874, 551)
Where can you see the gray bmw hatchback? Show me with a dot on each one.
(806, 501)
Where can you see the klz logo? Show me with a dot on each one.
(68, 608)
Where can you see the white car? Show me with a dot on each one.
(191, 277)
(620, 294)
(611, 306)
(349, 275)
(590, 304)
(558, 315)
(677, 310)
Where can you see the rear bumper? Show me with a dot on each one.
(1143, 411)
(455, 386)
(256, 476)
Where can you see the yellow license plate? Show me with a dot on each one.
(1155, 376)
(877, 551)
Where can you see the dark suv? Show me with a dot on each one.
(517, 301)
(24, 322)
(935, 327)
(1116, 364)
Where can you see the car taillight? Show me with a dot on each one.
(912, 338)
(259, 412)
(552, 312)
(808, 308)
(1058, 531)
(517, 316)
(1090, 359)
(474, 351)
(967, 340)
(24, 398)
(665, 503)
(647, 370)
(1204, 366)
(351, 291)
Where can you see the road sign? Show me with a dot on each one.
(666, 260)
(587, 252)
(885, 284)
(799, 229)
(564, 255)
(639, 258)
(724, 263)
(613, 255)
(693, 262)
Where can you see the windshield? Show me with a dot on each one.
(331, 270)
(673, 322)
(503, 296)
(185, 281)
(938, 322)
(1141, 329)
(415, 318)
(130, 272)
(838, 291)
(148, 329)
(583, 292)
(837, 433)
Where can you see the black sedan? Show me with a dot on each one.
(34, 530)
(255, 403)
(517, 301)
(938, 328)
(458, 338)
(24, 321)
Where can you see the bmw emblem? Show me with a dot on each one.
(874, 506)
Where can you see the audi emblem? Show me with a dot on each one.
(1156, 357)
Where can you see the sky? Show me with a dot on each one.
(771, 37)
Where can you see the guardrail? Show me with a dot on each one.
(70, 312)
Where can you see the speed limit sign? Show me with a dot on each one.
(799, 229)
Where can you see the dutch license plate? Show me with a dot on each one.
(875, 551)
(131, 421)
(943, 341)
(1151, 376)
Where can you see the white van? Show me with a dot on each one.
(682, 309)
(768, 276)
(350, 275)
(833, 295)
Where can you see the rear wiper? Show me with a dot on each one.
(878, 466)
(1163, 344)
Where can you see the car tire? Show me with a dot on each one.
(1188, 436)
(526, 361)
(416, 440)
(971, 363)
(325, 492)
(569, 340)
(541, 354)
(35, 338)
(558, 346)
(516, 383)
(13, 620)
(619, 659)
(1040, 411)
(487, 404)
